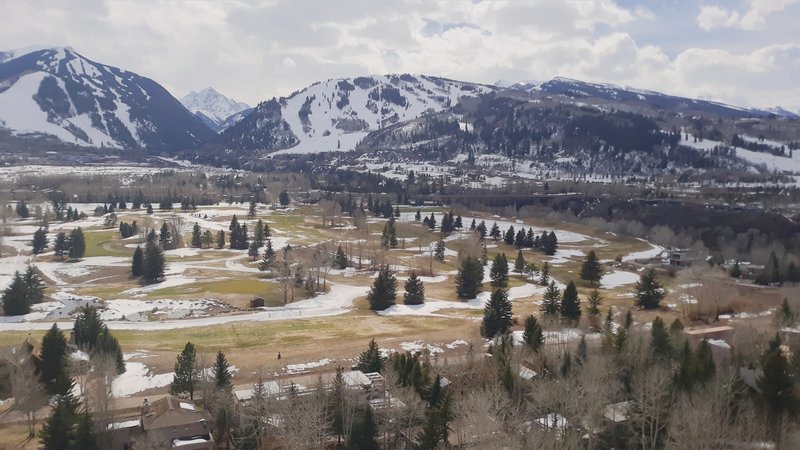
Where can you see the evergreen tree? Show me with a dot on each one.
(777, 385)
(340, 260)
(222, 372)
(207, 239)
(87, 328)
(251, 211)
(39, 242)
(544, 278)
(583, 350)
(15, 297)
(154, 262)
(519, 239)
(59, 430)
(648, 290)
(481, 230)
(370, 360)
(550, 301)
(165, 237)
(457, 223)
(34, 286)
(415, 290)
(186, 372)
(550, 244)
(469, 280)
(438, 251)
(60, 246)
(533, 337)
(509, 236)
(269, 258)
(283, 198)
(22, 209)
(660, 344)
(591, 270)
(109, 345)
(389, 235)
(197, 236)
(570, 307)
(499, 272)
(628, 320)
(259, 234)
(608, 323)
(252, 250)
(363, 435)
(496, 314)
(53, 361)
(594, 300)
(435, 432)
(418, 216)
(495, 232)
(384, 290)
(85, 436)
(221, 239)
(137, 265)
(736, 271)
(77, 244)
(566, 364)
(784, 315)
(519, 263)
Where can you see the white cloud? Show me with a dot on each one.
(253, 50)
(755, 18)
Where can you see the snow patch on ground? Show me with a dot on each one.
(618, 278)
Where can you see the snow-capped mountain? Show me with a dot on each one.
(335, 115)
(213, 108)
(57, 92)
(580, 90)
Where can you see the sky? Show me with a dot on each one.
(743, 52)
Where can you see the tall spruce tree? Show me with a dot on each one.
(39, 242)
(570, 307)
(370, 359)
(15, 297)
(53, 361)
(137, 264)
(340, 260)
(660, 345)
(499, 272)
(533, 336)
(469, 279)
(222, 372)
(61, 245)
(544, 275)
(496, 314)
(154, 262)
(186, 372)
(438, 251)
(591, 270)
(77, 244)
(594, 300)
(384, 290)
(550, 301)
(415, 290)
(777, 385)
(519, 263)
(197, 236)
(648, 290)
(221, 239)
(34, 286)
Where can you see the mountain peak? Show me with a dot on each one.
(211, 107)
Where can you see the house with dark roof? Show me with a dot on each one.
(167, 423)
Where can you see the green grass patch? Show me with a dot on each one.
(242, 286)
(100, 243)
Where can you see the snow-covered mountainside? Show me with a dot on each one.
(581, 90)
(212, 108)
(336, 114)
(57, 92)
